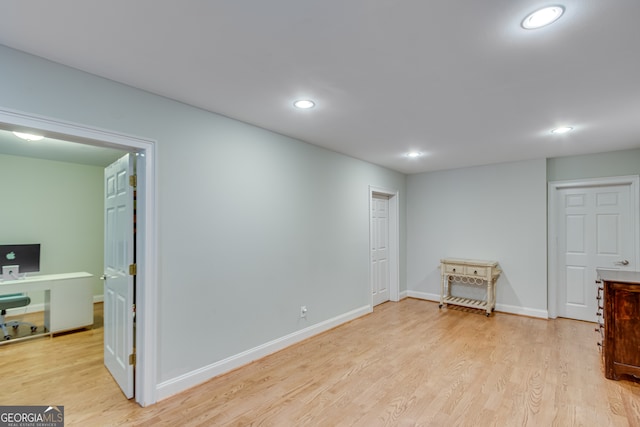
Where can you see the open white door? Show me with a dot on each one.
(118, 282)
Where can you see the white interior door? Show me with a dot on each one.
(380, 248)
(595, 230)
(118, 283)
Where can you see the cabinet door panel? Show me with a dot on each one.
(627, 320)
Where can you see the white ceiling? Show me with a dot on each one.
(459, 80)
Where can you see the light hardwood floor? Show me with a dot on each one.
(407, 364)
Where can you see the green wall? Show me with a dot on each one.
(58, 205)
(612, 163)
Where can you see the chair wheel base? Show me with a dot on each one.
(7, 337)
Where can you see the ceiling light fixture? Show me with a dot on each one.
(413, 154)
(542, 17)
(28, 136)
(304, 104)
(561, 130)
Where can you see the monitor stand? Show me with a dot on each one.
(11, 272)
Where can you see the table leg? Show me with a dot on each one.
(490, 297)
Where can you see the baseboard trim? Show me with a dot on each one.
(523, 311)
(504, 308)
(190, 379)
(423, 295)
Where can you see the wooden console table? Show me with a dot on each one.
(484, 273)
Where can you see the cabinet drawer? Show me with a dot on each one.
(453, 269)
(475, 271)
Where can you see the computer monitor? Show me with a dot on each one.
(25, 257)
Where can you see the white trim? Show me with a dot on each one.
(424, 295)
(394, 242)
(552, 236)
(503, 308)
(146, 309)
(190, 379)
(522, 311)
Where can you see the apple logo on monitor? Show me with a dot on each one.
(11, 256)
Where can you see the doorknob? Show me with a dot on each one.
(623, 262)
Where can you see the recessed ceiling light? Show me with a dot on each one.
(561, 130)
(304, 104)
(542, 17)
(28, 136)
(413, 154)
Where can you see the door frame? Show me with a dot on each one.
(554, 188)
(146, 250)
(394, 243)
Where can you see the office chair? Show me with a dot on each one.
(13, 301)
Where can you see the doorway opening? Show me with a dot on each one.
(146, 243)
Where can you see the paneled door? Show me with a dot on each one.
(595, 230)
(380, 248)
(118, 282)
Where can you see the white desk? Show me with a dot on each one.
(68, 298)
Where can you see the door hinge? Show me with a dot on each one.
(133, 180)
(133, 269)
(132, 359)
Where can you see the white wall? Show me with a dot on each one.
(495, 212)
(252, 224)
(58, 205)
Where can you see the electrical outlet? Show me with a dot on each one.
(303, 311)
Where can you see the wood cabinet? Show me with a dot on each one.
(474, 272)
(620, 311)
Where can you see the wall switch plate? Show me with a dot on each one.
(303, 311)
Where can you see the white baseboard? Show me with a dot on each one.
(423, 295)
(522, 311)
(198, 376)
(504, 308)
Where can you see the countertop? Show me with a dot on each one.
(622, 276)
